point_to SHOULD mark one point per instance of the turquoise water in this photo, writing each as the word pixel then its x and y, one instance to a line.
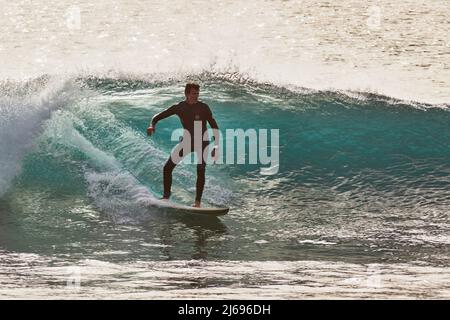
pixel 363 178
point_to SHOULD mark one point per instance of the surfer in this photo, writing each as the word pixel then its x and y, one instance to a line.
pixel 192 113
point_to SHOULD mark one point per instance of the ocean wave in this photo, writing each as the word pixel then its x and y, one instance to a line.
pixel 370 145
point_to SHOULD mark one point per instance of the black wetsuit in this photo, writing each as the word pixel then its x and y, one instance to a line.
pixel 188 114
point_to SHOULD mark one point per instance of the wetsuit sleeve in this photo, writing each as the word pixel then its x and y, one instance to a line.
pixel 211 120
pixel 164 114
pixel 213 124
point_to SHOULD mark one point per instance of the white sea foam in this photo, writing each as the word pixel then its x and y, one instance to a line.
pixel 184 279
pixel 23 110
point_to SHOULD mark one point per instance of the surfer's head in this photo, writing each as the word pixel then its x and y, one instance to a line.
pixel 191 91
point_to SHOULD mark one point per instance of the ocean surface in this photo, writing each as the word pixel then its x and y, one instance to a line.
pixel 359 208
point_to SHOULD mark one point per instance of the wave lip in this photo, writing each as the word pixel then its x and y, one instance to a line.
pixel 24 107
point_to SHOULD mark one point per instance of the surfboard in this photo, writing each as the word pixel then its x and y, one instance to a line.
pixel 181 208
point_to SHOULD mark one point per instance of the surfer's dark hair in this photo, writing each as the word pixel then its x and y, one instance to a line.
pixel 191 86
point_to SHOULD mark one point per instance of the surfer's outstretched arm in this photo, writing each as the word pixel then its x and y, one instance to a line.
pixel 212 122
pixel 164 114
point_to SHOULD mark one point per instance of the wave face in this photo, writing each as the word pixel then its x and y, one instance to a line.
pixel 362 175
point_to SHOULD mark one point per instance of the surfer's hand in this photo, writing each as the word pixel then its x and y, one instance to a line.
pixel 150 131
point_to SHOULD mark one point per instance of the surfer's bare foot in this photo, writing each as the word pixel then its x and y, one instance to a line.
pixel 196 204
pixel 165 199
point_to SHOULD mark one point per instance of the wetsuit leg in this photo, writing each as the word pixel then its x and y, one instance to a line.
pixel 201 169
pixel 167 177
pixel 168 168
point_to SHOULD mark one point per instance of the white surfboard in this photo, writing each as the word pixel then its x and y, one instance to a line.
pixel 180 208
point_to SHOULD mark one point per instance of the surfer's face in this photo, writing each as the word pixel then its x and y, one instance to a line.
pixel 192 96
